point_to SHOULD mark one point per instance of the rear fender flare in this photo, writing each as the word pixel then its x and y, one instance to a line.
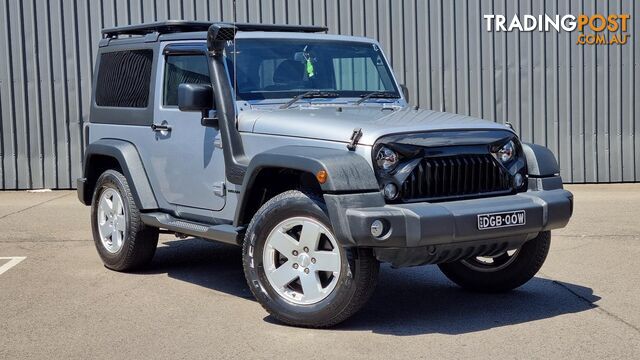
pixel 127 156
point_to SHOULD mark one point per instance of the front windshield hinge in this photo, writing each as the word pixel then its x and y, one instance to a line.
pixel 355 137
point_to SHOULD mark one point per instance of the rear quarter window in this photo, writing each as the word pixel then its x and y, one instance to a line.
pixel 124 78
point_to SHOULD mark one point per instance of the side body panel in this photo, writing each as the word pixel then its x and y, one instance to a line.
pixel 181 165
pixel 187 162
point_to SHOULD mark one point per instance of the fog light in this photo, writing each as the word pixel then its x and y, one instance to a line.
pixel 377 228
pixel 390 191
pixel 518 180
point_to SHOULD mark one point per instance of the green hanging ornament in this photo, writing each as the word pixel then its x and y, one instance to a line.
pixel 310 71
pixel 309 64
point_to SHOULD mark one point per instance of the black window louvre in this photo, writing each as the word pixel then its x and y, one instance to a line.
pixel 124 78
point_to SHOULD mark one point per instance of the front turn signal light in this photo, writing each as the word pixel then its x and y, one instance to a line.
pixel 321 176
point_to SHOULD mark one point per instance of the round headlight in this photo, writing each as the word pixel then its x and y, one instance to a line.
pixel 386 158
pixel 507 152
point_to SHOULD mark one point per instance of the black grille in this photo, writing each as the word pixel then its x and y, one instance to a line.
pixel 457 176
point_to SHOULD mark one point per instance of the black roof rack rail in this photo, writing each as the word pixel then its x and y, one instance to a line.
pixel 175 26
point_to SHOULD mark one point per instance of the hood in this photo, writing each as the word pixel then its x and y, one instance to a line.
pixel 337 124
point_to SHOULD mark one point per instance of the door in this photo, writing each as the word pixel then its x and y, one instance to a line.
pixel 187 159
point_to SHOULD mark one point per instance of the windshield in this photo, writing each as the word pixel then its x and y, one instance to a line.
pixel 284 68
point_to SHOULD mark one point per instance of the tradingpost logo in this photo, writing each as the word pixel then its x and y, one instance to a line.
pixel 591 28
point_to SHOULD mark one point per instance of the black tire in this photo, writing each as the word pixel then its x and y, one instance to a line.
pixel 529 259
pixel 355 284
pixel 139 241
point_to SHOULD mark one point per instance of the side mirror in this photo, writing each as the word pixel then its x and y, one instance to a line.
pixel 195 97
pixel 405 91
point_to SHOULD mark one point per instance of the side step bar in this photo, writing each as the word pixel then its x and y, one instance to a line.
pixel 225 233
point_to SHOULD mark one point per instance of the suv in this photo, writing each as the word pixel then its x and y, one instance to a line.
pixel 300 147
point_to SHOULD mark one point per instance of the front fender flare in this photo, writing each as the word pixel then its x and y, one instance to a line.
pixel 542 167
pixel 540 161
pixel 347 171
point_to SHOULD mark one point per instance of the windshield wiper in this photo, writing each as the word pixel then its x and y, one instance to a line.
pixel 310 95
pixel 378 95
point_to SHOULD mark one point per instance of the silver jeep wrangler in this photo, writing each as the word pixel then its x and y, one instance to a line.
pixel 300 147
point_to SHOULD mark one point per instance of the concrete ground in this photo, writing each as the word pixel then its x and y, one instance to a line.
pixel 192 302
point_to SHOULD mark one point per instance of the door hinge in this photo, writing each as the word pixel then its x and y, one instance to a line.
pixel 219 189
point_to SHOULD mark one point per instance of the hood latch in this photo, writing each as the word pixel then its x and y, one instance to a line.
pixel 355 137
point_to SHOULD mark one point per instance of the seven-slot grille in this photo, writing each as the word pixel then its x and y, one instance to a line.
pixel 456 176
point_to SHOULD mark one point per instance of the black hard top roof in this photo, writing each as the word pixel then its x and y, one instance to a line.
pixel 177 26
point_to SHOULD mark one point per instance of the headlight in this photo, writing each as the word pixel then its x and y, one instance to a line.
pixel 506 152
pixel 386 159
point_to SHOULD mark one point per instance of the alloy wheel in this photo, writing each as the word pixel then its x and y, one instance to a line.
pixel 112 224
pixel 491 263
pixel 302 260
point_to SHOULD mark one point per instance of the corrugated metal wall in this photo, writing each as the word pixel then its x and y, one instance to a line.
pixel 577 100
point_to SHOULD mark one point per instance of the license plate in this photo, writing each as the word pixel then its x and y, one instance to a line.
pixel 502 219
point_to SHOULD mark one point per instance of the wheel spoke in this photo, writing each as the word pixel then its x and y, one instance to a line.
pixel 114 237
pixel 104 206
pixel 116 204
pixel 119 223
pixel 283 243
pixel 283 275
pixel 310 285
pixel 327 261
pixel 310 235
pixel 105 229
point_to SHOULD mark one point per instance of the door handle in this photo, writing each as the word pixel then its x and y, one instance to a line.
pixel 164 127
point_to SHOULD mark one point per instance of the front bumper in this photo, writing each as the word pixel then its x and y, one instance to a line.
pixel 421 233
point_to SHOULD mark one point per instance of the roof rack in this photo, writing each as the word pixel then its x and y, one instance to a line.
pixel 175 26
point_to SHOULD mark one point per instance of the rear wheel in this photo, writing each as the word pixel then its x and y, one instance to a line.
pixel 296 268
pixel 122 240
pixel 502 272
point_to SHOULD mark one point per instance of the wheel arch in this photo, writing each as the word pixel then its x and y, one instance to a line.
pixel 346 172
pixel 123 156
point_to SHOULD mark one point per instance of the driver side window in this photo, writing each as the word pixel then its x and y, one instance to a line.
pixel 183 69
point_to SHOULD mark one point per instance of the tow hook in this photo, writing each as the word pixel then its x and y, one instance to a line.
pixel 355 137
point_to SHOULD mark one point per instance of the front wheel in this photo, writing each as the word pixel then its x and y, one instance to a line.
pixel 296 268
pixel 502 272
